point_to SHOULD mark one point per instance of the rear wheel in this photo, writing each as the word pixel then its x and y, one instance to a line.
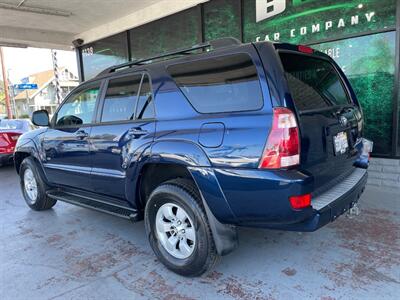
pixel 33 186
pixel 178 228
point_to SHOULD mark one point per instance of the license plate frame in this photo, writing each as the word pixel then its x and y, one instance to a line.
pixel 340 143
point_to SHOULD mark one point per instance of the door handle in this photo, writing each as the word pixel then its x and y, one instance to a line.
pixel 135 132
pixel 81 134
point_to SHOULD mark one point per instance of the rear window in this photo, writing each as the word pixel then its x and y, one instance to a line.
pixel 221 84
pixel 10 124
pixel 313 82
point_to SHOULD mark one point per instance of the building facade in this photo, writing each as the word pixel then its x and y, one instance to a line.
pixel 361 35
pixel 44 97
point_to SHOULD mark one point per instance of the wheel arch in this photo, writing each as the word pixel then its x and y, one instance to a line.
pixel 174 159
pixel 23 150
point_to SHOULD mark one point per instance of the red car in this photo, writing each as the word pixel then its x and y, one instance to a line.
pixel 10 131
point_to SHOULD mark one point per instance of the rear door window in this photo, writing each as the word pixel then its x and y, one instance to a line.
pixel 120 99
pixel 313 82
pixel 220 84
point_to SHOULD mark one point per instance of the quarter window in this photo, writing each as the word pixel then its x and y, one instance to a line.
pixel 79 108
pixel 220 84
pixel 120 99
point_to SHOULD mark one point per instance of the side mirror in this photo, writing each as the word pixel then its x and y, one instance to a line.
pixel 40 118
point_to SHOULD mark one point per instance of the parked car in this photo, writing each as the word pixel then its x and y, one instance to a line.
pixel 10 131
pixel 199 142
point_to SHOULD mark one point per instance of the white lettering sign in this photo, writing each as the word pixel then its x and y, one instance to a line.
pixel 268 8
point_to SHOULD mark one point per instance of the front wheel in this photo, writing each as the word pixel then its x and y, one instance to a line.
pixel 33 186
pixel 178 228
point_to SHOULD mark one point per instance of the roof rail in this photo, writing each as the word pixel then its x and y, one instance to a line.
pixel 215 44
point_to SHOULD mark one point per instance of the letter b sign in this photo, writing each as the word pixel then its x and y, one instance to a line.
pixel 268 8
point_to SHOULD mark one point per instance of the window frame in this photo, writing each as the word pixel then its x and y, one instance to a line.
pixel 76 90
pixel 152 98
pixel 221 56
pixel 104 92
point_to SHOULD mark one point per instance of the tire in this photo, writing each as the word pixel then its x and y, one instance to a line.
pixel 181 194
pixel 38 201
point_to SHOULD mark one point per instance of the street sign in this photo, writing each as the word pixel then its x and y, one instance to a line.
pixel 26 86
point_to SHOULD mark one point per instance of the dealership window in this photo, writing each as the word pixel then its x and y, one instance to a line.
pixel 222 19
pixel 104 53
pixel 369 64
pixel 177 31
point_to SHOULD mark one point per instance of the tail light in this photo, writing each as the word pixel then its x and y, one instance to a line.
pixel 283 145
pixel 12 136
pixel 9 138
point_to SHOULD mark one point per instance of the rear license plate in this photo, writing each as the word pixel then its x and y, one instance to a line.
pixel 340 143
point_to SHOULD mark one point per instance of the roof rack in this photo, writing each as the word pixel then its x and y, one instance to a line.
pixel 215 44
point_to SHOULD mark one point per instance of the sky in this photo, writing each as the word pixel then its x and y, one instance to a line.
pixel 22 62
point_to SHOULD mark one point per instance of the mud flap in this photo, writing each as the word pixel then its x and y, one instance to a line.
pixel 225 235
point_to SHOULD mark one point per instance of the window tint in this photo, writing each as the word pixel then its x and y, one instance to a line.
pixel 120 99
pixel 145 107
pixel 313 82
pixel 79 107
pixel 221 84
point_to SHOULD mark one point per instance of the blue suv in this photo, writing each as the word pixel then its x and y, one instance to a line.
pixel 200 141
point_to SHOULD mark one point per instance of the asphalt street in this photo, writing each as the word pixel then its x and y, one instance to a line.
pixel 70 252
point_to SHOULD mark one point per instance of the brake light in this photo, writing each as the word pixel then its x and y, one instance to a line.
pixel 283 145
pixel 305 49
pixel 299 202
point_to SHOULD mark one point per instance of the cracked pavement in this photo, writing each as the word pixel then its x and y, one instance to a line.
pixel 70 252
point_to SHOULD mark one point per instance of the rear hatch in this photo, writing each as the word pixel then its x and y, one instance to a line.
pixel 330 121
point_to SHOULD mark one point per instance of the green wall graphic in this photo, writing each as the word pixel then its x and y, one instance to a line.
pixel 222 19
pixel 368 62
pixel 311 21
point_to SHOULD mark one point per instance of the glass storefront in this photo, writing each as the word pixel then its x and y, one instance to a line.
pixel 177 31
pixel 226 10
pixel 359 34
pixel 104 53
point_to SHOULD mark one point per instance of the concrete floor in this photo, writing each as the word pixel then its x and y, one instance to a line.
pixel 75 253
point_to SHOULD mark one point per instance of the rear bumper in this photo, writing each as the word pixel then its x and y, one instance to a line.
pixel 333 203
pixel 259 198
pixel 6 158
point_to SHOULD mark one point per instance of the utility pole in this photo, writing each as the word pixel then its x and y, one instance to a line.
pixel 5 79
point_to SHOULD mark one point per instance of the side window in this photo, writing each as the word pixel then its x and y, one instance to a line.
pixel 220 84
pixel 120 99
pixel 145 107
pixel 79 107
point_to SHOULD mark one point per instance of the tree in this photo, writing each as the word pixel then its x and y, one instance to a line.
pixel 2 98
